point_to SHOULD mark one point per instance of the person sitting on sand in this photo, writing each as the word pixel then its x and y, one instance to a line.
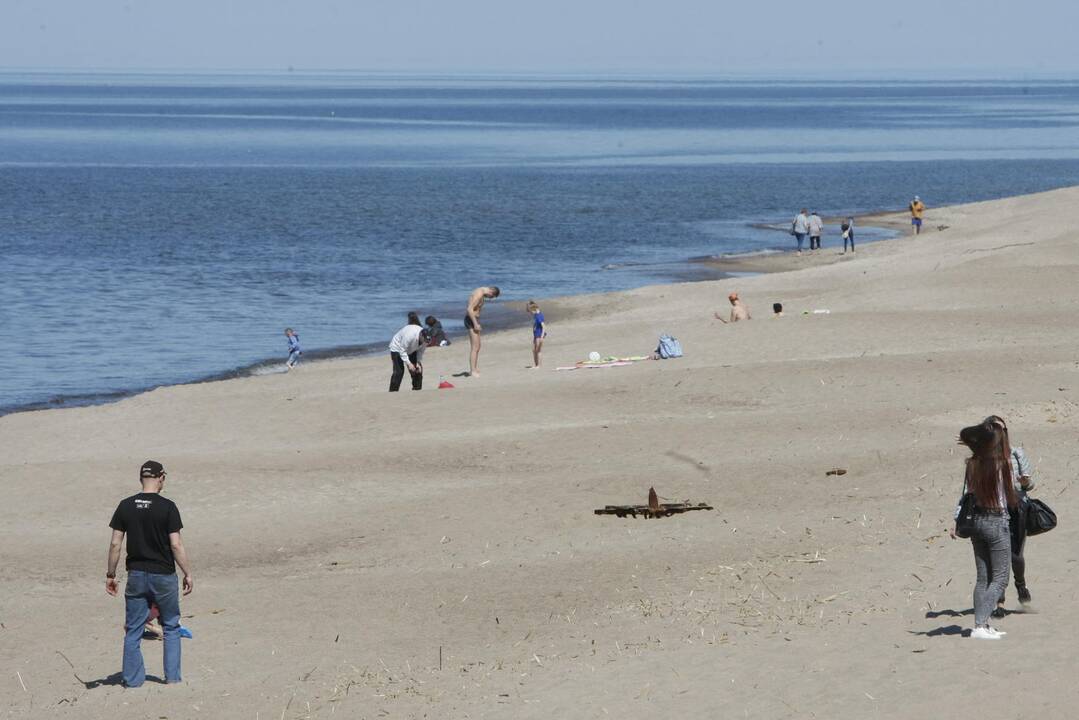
pixel 777 309
pixel 472 323
pixel 435 332
pixel 738 310
pixel 917 209
pixel 539 332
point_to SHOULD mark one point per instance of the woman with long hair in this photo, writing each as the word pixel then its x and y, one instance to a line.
pixel 989 479
pixel 1017 516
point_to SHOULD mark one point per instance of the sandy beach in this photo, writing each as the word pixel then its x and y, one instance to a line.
pixel 436 555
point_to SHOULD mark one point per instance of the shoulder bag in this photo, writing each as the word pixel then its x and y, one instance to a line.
pixel 964 518
pixel 1040 517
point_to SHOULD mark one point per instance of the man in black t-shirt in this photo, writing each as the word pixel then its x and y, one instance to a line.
pixel 152 525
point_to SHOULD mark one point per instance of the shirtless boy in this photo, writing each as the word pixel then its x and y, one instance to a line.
pixel 472 323
pixel 738 310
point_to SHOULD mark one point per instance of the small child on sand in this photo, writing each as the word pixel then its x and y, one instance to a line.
pixel 294 351
pixel 539 331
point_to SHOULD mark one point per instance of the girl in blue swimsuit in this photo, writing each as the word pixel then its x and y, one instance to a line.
pixel 539 331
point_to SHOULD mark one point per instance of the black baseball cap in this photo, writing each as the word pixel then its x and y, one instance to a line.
pixel 151 469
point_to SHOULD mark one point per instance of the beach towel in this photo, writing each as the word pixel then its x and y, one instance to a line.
pixel 592 366
pixel 612 358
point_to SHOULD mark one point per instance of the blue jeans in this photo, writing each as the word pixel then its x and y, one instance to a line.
pixel 142 589
pixel 992 559
pixel 293 358
pixel 801 238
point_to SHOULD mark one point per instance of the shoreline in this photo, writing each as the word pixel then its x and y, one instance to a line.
pixel 695 269
pixel 438 553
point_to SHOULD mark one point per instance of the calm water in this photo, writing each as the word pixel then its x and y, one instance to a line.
pixel 161 229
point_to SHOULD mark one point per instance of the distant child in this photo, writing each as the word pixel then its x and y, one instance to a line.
pixel 436 333
pixel 539 331
pixel 848 234
pixel 294 351
pixel 777 309
pixel 917 210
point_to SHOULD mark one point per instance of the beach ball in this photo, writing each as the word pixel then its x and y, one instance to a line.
pixel 593 356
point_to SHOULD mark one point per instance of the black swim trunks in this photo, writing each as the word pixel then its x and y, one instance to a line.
pixel 468 323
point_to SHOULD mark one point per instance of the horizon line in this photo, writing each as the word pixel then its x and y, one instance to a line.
pixel 936 75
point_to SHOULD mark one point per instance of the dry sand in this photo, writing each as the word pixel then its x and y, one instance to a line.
pixel 435 554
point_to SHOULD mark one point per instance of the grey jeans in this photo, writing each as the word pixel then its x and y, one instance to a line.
pixel 992 557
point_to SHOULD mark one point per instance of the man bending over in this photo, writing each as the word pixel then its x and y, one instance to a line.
pixel 472 323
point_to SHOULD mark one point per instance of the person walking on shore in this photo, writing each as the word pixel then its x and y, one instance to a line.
pixel 848 234
pixel 539 332
pixel 472 323
pixel 799 228
pixel 989 479
pixel 294 350
pixel 917 209
pixel 406 350
pixel 816 229
pixel 1022 482
pixel 152 526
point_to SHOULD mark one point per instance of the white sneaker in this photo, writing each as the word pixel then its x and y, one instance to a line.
pixel 1001 633
pixel 984 633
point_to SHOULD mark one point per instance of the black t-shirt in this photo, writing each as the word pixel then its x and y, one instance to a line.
pixel 148 518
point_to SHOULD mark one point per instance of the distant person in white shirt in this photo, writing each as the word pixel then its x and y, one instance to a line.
pixel 799 228
pixel 816 229
pixel 406 350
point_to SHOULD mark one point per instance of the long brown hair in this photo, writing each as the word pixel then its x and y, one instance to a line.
pixel 989 465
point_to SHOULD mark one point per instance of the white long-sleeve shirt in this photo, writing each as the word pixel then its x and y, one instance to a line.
pixel 406 341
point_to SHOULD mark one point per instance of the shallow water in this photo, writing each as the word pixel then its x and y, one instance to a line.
pixel 158 229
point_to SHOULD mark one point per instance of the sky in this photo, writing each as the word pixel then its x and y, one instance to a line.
pixel 851 38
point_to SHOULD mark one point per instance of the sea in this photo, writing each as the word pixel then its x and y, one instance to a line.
pixel 165 228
